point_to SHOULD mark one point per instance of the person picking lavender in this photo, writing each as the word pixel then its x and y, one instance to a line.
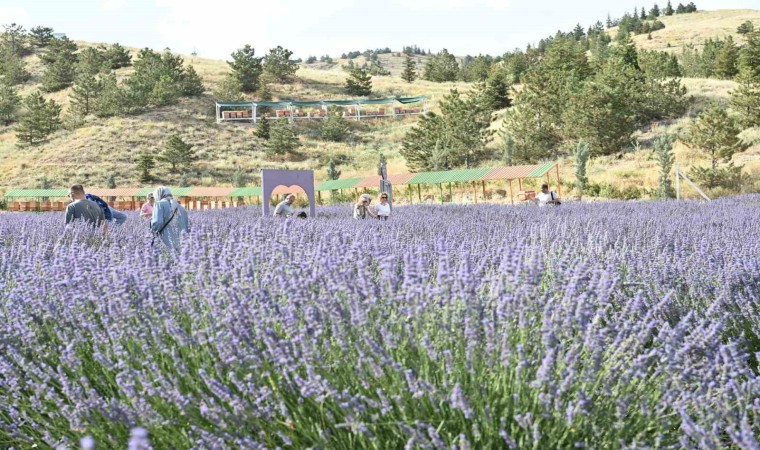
pixel 285 207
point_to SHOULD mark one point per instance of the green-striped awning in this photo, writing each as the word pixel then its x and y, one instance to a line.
pixel 344 183
pixel 541 170
pixel 34 193
pixel 313 103
pixel 450 176
pixel 251 191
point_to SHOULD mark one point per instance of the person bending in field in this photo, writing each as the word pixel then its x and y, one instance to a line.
pixel 169 219
pixel 361 208
pixel 285 207
pixel 547 197
pixel 83 209
pixel 111 214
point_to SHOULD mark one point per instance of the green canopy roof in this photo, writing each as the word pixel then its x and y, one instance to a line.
pixel 34 193
pixel 313 103
pixel 450 176
pixel 344 183
pixel 541 170
pixel 252 191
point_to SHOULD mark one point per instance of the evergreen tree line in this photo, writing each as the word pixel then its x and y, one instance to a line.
pixel 250 73
pixel 158 79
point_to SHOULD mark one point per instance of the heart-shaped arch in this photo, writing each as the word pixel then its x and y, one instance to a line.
pixel 275 182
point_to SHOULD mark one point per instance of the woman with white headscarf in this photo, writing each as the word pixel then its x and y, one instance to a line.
pixel 169 218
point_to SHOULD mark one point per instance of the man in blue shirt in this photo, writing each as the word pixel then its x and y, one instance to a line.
pixel 111 215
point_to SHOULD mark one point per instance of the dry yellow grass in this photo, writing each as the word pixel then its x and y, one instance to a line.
pixel 90 152
pixel 695 28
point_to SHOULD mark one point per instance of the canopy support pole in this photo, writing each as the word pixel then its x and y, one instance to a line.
pixel 511 195
pixel 451 195
pixel 483 183
pixel 419 192
pixel 519 184
pixel 255 106
pixel 290 107
pixel 475 193
pixel 559 185
pixel 678 184
pixel 319 197
pixel 440 189
pixel 358 112
pixel 409 190
pixel 218 118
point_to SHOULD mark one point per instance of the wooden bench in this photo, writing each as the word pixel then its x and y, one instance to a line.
pixel 525 196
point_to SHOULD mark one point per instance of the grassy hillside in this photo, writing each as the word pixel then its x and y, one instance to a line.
pixel 695 28
pixel 100 146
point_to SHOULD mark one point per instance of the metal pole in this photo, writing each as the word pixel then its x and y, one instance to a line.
pixel 419 192
pixel 691 183
pixel 483 183
pixel 218 119
pixel 440 188
pixel 511 195
pixel 451 194
pixel 255 107
pixel 358 112
pixel 475 193
pixel 678 183
pixel 559 186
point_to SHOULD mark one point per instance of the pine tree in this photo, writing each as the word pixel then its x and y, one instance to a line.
pixel 668 11
pixel 12 67
pixel 581 158
pixel 246 68
pixel 60 61
pixel 9 103
pixel 178 153
pixel 58 75
pixel 229 90
pixel 192 83
pixel 84 95
pixel 663 149
pixel 117 57
pixel 716 133
pixel 263 129
pixel 332 171
pixel 680 9
pixel 15 38
pixel 745 99
pixel 654 12
pixel 458 135
pixel 145 164
pixel 111 100
pixel 41 37
pixel 42 118
pixel 92 61
pixel 282 138
pixel 277 66
pixel 745 28
pixel 359 82
pixel 410 69
pixel 727 59
pixel 749 56
pixel 441 67
pixel 334 127
pixel 239 178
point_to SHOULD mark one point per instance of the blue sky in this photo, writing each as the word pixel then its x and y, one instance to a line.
pixel 216 28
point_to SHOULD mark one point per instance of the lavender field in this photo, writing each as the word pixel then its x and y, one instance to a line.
pixel 616 325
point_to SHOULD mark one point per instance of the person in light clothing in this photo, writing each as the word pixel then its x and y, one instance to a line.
pixel 383 209
pixel 362 209
pixel 169 219
pixel 285 207
pixel 146 211
pixel 547 197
